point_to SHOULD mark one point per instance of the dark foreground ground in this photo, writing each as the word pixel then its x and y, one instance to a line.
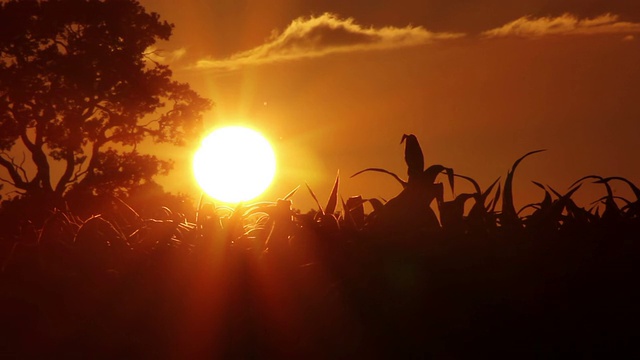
pixel 330 295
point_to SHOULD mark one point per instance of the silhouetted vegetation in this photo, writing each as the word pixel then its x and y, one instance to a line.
pixel 264 280
pixel 79 89
pixel 104 263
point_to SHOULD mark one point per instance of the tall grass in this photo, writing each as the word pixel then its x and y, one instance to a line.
pixel 337 281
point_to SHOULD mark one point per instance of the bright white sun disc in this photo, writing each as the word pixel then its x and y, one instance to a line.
pixel 234 164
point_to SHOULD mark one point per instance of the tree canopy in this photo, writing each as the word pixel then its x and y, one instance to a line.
pixel 79 90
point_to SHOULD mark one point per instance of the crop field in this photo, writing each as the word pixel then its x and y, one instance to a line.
pixel 428 273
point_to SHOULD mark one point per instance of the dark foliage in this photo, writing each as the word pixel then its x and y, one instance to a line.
pixel 79 89
pixel 265 281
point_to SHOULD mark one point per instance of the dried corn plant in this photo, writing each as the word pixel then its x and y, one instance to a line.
pixel 412 260
pixel 115 238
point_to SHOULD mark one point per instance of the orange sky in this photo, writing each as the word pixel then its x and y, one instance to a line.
pixel 479 82
pixel 564 79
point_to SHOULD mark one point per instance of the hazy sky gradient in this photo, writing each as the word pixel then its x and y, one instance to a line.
pixel 335 84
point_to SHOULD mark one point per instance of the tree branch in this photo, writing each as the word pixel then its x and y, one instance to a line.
pixel 68 173
pixel 18 167
pixel 77 175
pixel 144 126
pixel 13 173
pixel 42 178
pixel 93 162
pixel 7 181
pixel 25 140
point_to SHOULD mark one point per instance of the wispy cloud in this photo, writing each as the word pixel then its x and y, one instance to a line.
pixel 309 37
pixel 566 24
pixel 163 56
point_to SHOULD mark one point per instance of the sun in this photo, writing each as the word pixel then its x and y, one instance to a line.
pixel 234 164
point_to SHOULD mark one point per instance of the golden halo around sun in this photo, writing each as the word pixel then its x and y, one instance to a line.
pixel 234 164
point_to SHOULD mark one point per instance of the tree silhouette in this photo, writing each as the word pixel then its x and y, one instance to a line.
pixel 79 88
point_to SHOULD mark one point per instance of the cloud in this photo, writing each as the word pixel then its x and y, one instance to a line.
pixel 322 35
pixel 566 24
pixel 164 57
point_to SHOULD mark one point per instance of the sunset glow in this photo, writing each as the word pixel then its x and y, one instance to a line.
pixel 338 84
pixel 319 179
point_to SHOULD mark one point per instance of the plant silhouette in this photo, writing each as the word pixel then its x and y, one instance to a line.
pixel 411 208
pixel 264 280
